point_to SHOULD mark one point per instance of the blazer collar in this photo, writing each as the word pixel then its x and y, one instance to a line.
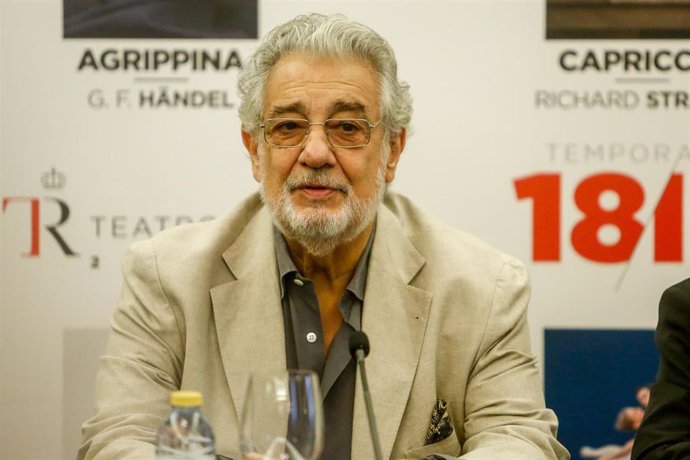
pixel 247 310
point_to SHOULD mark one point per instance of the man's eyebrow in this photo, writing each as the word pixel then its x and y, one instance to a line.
pixel 290 108
pixel 298 107
pixel 343 106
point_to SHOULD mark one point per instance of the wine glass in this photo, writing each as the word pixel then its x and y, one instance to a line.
pixel 282 418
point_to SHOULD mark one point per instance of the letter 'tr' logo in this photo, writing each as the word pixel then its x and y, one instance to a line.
pixel 35 219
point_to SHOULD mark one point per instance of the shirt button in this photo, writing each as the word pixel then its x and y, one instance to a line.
pixel 298 282
pixel 311 337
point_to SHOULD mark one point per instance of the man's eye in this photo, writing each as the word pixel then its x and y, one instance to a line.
pixel 348 126
pixel 286 126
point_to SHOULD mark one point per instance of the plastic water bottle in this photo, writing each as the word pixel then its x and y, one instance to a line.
pixel 185 434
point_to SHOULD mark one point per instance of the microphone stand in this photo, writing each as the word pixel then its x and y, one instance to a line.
pixel 359 344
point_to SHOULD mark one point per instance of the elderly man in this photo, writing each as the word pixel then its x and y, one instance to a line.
pixel 320 252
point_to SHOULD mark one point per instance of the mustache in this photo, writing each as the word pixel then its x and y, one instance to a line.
pixel 316 178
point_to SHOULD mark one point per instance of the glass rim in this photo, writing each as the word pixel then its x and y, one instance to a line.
pixel 368 124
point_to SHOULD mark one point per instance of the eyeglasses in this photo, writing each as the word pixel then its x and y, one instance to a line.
pixel 348 133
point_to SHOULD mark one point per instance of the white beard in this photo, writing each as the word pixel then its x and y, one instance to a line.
pixel 318 229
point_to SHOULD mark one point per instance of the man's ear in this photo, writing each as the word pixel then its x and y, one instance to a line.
pixel 249 141
pixel 397 145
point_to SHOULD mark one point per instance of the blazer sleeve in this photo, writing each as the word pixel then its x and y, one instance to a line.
pixel 665 430
pixel 505 413
pixel 142 365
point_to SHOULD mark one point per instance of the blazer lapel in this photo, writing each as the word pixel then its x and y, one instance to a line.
pixel 395 317
pixel 247 311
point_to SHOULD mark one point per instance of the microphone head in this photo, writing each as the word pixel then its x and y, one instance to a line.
pixel 359 341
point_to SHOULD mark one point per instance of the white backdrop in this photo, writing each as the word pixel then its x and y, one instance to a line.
pixel 122 172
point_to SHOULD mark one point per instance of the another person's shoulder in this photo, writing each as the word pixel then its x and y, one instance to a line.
pixel 674 308
pixel 675 303
pixel 682 288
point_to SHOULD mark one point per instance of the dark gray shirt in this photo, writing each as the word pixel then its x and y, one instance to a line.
pixel 304 345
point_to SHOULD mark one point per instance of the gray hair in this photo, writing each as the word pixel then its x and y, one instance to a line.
pixel 329 36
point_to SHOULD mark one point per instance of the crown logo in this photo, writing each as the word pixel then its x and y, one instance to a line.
pixel 53 180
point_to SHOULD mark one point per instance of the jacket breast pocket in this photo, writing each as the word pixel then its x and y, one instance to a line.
pixel 447 446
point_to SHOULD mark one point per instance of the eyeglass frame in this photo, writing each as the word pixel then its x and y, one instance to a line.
pixel 323 123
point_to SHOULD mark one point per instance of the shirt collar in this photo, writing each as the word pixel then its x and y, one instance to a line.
pixel 285 264
pixel 287 268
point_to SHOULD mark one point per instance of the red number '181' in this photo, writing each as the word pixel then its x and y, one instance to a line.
pixel 545 192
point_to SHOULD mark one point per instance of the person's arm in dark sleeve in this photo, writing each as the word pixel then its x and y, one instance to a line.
pixel 665 430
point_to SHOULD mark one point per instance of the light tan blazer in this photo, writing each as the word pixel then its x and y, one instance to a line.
pixel 445 315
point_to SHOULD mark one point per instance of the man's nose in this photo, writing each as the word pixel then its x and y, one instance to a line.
pixel 317 151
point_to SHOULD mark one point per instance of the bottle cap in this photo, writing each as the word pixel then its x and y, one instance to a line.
pixel 186 398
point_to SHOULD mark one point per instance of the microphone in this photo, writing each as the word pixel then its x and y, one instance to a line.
pixel 359 349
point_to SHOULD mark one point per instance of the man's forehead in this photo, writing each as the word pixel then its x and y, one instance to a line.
pixel 302 83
